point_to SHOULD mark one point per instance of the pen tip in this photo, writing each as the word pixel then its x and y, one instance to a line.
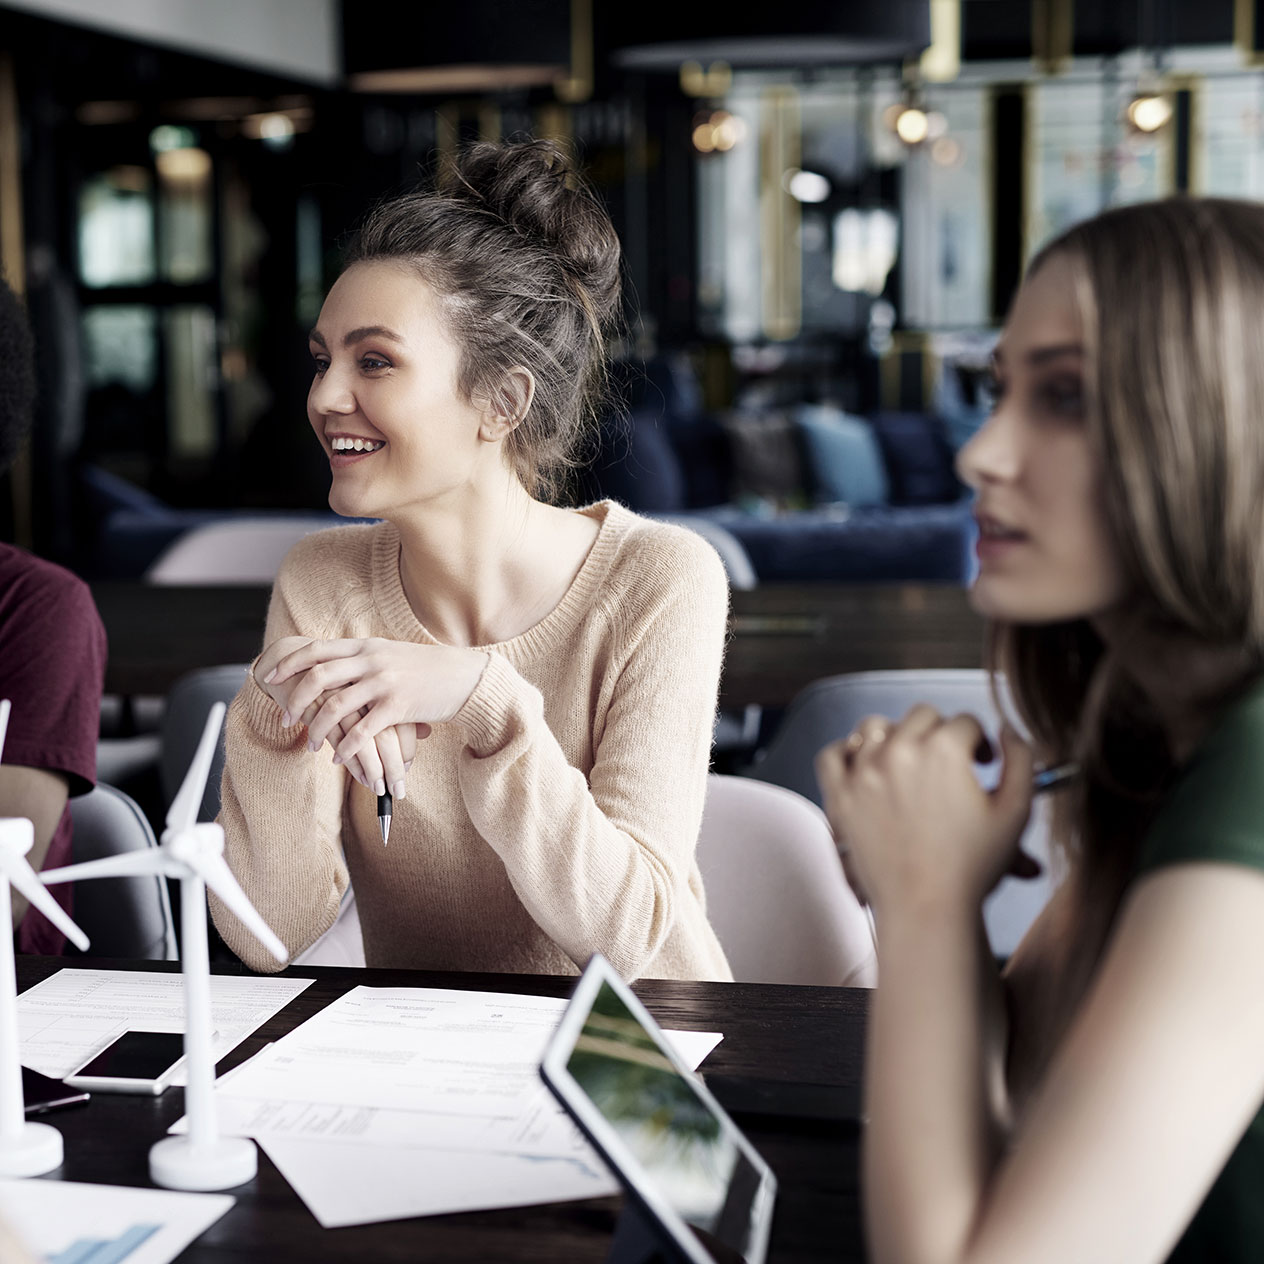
pixel 385 823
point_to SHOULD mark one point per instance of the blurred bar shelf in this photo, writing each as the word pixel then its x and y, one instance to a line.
pixel 783 636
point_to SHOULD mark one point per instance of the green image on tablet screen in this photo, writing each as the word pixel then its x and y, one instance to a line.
pixel 683 1146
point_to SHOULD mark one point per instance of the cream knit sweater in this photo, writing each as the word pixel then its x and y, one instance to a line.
pixel 555 816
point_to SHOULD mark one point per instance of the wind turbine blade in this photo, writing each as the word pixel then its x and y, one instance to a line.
pixel 131 862
pixel 184 807
pixel 23 878
pixel 215 872
pixel 4 723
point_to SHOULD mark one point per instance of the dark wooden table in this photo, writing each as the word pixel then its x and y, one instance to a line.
pixel 784 1037
pixel 784 636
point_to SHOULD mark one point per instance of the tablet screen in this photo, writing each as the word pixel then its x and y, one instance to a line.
pixel 688 1151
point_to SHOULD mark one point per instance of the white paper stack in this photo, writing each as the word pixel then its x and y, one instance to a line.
pixel 396 1102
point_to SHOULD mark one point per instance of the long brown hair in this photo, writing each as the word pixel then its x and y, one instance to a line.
pixel 1171 298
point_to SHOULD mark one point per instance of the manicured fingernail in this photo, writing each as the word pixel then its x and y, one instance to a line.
pixel 286 719
pixel 267 680
pixel 397 790
pixel 379 787
pixel 311 746
pixel 337 759
pixel 408 765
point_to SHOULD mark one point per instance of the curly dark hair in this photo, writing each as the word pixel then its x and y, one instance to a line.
pixel 17 375
pixel 526 265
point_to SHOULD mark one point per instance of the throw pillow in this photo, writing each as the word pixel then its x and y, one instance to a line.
pixel 843 456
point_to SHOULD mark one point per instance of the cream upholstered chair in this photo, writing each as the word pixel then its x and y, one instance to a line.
pixel 776 894
pixel 830 708
pixel 240 550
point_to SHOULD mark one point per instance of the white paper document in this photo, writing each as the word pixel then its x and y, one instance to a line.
pixel 361 1184
pixel 473 1054
pixel 74 1014
pixel 395 1102
pixel 105 1224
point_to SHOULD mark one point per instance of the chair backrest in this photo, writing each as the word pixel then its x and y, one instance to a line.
pixel 830 708
pixel 123 917
pixel 189 702
pixel 734 730
pixel 776 894
pixel 737 563
pixel 246 550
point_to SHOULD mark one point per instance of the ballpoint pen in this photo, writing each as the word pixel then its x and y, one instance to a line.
pixel 1053 777
pixel 384 804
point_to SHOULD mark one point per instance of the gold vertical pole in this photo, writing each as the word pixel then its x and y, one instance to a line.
pixel 1244 32
pixel 1030 225
pixel 578 85
pixel 941 62
pixel 11 252
pixel 489 121
pixel 1052 34
pixel 447 131
pixel 13 262
pixel 779 152
pixel 553 122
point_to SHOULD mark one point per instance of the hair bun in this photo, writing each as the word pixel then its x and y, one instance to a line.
pixel 536 188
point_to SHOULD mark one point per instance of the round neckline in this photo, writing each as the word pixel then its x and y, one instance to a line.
pixel 392 601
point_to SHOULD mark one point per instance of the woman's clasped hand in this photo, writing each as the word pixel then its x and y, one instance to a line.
pixel 372 699
pixel 910 815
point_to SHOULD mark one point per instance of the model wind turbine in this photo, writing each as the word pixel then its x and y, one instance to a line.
pixel 26 1149
pixel 195 854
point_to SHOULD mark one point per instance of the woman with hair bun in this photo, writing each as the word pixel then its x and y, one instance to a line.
pixel 1101 1099
pixel 561 665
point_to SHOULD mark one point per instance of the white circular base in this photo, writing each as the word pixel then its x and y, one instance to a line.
pixel 35 1150
pixel 175 1164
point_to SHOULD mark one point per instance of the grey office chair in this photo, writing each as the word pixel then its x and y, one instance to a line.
pixel 189 702
pixel 830 708
pixel 124 917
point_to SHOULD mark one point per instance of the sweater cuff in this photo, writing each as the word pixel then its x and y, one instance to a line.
pixel 493 713
pixel 264 717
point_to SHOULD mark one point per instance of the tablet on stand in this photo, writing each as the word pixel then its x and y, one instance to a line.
pixel 697 1191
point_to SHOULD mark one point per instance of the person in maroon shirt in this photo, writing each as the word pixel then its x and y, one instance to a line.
pixel 52 664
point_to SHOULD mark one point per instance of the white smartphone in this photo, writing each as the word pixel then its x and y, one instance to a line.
pixel 136 1062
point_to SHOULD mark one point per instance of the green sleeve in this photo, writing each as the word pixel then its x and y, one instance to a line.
pixel 1216 809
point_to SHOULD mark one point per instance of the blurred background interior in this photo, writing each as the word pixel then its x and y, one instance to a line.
pixel 825 208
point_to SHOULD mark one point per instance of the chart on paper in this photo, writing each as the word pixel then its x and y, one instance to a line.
pixel 115 1250
pixel 66 1222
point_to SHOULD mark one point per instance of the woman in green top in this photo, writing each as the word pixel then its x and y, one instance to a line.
pixel 1100 1100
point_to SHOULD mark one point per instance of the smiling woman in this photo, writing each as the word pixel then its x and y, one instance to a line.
pixel 535 685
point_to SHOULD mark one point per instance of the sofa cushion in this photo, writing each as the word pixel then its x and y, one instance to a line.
pixel 919 458
pixel 843 456
pixel 767 458
pixel 636 465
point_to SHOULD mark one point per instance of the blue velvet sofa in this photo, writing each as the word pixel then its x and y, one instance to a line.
pixel 812 493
